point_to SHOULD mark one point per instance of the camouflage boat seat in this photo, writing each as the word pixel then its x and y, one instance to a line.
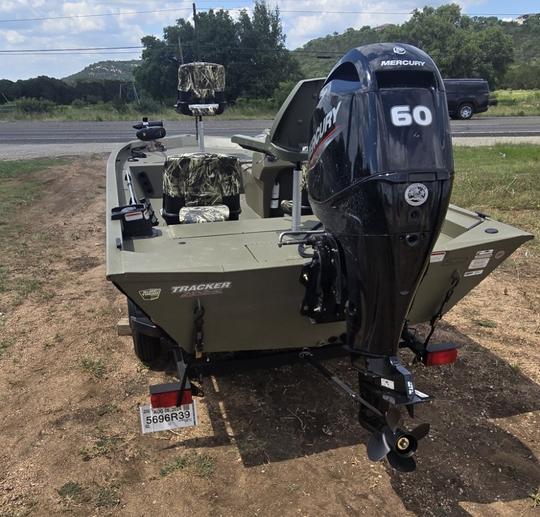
pixel 201 89
pixel 200 180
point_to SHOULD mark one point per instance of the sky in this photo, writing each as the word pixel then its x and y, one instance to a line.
pixel 23 27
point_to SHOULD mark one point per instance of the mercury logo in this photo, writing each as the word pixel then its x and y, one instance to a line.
pixel 402 62
pixel 399 50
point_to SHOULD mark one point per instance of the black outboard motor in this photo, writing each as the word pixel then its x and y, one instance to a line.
pixel 380 178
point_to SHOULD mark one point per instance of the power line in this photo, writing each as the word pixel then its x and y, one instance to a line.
pixel 286 11
pixel 10 51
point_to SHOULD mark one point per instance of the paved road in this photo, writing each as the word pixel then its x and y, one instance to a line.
pixel 24 132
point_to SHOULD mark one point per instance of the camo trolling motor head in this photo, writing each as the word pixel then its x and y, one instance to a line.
pixel 379 179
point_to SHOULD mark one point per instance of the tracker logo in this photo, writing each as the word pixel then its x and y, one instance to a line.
pixel 324 128
pixel 149 295
pixel 193 290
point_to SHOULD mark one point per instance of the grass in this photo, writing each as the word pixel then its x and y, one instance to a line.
pixel 6 344
pixel 73 492
pixel 490 324
pixel 104 445
pixel 95 367
pixel 107 497
pixel 202 465
pixel 535 496
pixel 255 109
pixel 102 496
pixel 510 103
pixel 515 103
pixel 14 192
pixel 502 181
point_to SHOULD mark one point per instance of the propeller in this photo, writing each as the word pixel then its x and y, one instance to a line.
pixel 397 445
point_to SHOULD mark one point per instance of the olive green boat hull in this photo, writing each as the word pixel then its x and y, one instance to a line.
pixel 249 287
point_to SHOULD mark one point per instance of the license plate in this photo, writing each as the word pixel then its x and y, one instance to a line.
pixel 166 418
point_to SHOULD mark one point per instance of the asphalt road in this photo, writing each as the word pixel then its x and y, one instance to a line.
pixel 25 132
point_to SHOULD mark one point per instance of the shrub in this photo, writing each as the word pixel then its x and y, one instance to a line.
pixel 148 106
pixel 78 103
pixel 32 106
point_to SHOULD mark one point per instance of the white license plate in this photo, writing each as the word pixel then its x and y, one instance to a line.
pixel 165 418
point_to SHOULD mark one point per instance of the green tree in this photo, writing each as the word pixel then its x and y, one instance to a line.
pixel 266 61
pixel 461 46
pixel 251 49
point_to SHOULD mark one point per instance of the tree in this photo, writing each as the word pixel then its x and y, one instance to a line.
pixel 252 51
pixel 266 61
pixel 460 46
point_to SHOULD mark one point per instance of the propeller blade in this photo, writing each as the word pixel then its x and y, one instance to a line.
pixel 401 463
pixel 420 431
pixel 393 418
pixel 377 447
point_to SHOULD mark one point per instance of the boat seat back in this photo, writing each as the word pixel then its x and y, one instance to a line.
pixel 201 89
pixel 201 180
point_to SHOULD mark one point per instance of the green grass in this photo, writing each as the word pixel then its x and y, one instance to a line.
pixel 502 181
pixel 103 446
pixel 252 109
pixel 13 191
pixel 6 344
pixel 202 465
pixel 515 103
pixel 95 367
pixel 73 492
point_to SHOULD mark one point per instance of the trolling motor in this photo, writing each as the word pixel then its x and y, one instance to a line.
pixel 379 179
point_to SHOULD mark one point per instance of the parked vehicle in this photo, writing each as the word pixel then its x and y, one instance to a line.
pixel 466 97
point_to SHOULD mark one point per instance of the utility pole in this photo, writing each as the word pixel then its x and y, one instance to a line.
pixel 197 53
pixel 180 50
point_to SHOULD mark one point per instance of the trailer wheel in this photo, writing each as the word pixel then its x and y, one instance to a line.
pixel 147 348
pixel 466 111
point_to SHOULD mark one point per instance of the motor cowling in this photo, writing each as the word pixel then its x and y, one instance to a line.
pixel 379 179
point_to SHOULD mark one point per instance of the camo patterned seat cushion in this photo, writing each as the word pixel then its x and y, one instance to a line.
pixel 202 179
pixel 201 79
pixel 204 214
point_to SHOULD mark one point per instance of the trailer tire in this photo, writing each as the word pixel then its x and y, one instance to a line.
pixel 147 348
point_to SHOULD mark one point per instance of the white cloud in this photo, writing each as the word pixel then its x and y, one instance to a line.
pixel 12 37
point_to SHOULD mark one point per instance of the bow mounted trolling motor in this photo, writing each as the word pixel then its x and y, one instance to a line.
pixel 379 179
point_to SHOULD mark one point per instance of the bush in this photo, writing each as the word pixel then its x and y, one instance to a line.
pixel 148 106
pixel 120 106
pixel 282 92
pixel 78 103
pixel 32 106
pixel 93 99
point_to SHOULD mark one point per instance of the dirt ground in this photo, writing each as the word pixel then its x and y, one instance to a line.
pixel 276 442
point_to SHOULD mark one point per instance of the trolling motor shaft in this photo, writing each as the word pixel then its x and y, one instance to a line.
pixel 380 175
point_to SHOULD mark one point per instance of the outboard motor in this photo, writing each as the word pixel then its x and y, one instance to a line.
pixel 379 179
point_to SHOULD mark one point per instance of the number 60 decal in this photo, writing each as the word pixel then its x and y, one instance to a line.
pixel 402 116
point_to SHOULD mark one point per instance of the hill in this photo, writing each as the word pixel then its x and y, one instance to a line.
pixel 105 70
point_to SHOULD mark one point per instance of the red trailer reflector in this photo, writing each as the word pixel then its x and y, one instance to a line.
pixel 169 395
pixel 438 357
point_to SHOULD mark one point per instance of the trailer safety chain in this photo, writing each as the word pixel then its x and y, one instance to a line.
pixel 456 277
pixel 199 332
